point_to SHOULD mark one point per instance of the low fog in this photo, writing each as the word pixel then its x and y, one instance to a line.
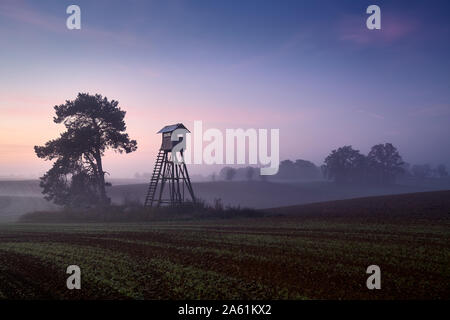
pixel 297 182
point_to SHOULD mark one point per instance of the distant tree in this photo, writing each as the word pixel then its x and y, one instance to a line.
pixel 249 173
pixel 442 171
pixel 385 163
pixel 324 171
pixel 286 170
pixel 228 173
pixel 306 169
pixel 345 165
pixel 421 171
pixel 300 169
pixel 93 125
pixel 406 169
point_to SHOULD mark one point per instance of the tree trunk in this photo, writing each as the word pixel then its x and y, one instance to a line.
pixel 104 200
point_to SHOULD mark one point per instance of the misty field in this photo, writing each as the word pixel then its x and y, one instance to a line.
pixel 278 257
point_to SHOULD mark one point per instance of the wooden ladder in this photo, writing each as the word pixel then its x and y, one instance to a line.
pixel 155 178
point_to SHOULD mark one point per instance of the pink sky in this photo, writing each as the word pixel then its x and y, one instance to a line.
pixel 313 72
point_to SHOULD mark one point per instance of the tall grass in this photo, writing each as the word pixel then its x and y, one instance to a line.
pixel 135 212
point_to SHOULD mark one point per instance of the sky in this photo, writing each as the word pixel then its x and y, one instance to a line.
pixel 311 69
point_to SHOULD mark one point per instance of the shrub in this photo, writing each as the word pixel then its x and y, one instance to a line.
pixel 136 212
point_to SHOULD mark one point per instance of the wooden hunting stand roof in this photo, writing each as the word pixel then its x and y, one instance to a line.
pixel 173 127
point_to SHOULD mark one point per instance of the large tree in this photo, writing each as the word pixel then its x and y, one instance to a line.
pixel 385 163
pixel 345 165
pixel 93 125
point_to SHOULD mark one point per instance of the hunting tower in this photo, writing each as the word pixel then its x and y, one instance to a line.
pixel 168 172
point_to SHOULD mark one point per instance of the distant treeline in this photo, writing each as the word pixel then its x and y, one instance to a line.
pixel 288 170
pixel 382 165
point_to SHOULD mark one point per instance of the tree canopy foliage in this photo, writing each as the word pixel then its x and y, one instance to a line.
pixel 93 125
pixel 297 170
pixel 385 163
pixel 347 165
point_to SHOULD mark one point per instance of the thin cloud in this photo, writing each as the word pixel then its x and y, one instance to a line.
pixel 371 114
pixel 432 111
pixel 22 13
pixel 300 39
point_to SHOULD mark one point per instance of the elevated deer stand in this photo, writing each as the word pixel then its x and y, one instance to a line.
pixel 167 172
